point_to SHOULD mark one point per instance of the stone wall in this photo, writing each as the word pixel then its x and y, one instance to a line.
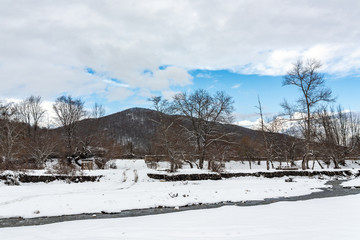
pixel 275 174
pixel 15 179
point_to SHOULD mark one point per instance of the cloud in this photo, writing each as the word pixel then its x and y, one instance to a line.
pixel 119 94
pixel 332 57
pixel 236 86
pixel 47 46
pixel 170 76
pixel 116 83
pixel 168 94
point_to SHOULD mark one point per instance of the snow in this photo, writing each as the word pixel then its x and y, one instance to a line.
pixel 128 187
pixel 352 183
pixel 244 166
pixel 330 218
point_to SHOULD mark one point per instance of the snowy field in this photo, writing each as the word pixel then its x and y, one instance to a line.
pixel 128 187
pixel 330 218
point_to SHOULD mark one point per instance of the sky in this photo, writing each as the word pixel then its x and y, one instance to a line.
pixel 120 53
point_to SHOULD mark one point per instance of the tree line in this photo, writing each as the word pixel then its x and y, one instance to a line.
pixel 25 143
pixel 192 128
pixel 320 131
pixel 311 128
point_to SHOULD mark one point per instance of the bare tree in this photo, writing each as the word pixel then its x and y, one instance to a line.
pixel 31 112
pixel 94 140
pixel 291 144
pixel 204 112
pixel 98 111
pixel 170 133
pixel 93 126
pixel 279 143
pixel 249 150
pixel 10 133
pixel 24 115
pixel 338 133
pixel 264 130
pixel 68 112
pixel 43 148
pixel 38 145
pixel 311 84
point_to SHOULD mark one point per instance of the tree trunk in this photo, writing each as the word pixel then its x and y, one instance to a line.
pixel 202 157
pixel 201 162
pixel 304 162
pixel 209 164
pixel 319 164
pixel 172 165
pixel 336 163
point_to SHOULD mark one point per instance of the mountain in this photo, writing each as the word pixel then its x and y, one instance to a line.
pixel 136 126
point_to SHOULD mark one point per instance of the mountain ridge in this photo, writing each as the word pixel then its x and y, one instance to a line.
pixel 138 126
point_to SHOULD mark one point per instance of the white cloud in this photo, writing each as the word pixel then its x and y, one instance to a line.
pixel 45 46
pixel 170 76
pixel 236 86
pixel 111 82
pixel 119 94
pixel 168 94
pixel 280 61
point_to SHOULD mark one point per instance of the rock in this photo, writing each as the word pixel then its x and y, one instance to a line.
pixel 289 180
pixel 12 180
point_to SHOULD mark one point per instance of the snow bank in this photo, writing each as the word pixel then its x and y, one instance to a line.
pixel 352 183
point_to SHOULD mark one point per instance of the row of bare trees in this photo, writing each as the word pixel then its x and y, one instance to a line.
pixel 338 133
pixel 10 134
pixel 25 141
pixel 317 130
pixel 308 129
pixel 20 135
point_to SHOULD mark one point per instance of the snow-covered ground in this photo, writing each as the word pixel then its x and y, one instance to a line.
pixel 128 187
pixel 331 218
pixel 352 183
pixel 255 166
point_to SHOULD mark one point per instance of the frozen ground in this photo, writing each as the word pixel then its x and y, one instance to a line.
pixel 330 218
pixel 128 187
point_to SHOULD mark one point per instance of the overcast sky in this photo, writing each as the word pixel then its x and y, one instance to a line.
pixel 119 53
